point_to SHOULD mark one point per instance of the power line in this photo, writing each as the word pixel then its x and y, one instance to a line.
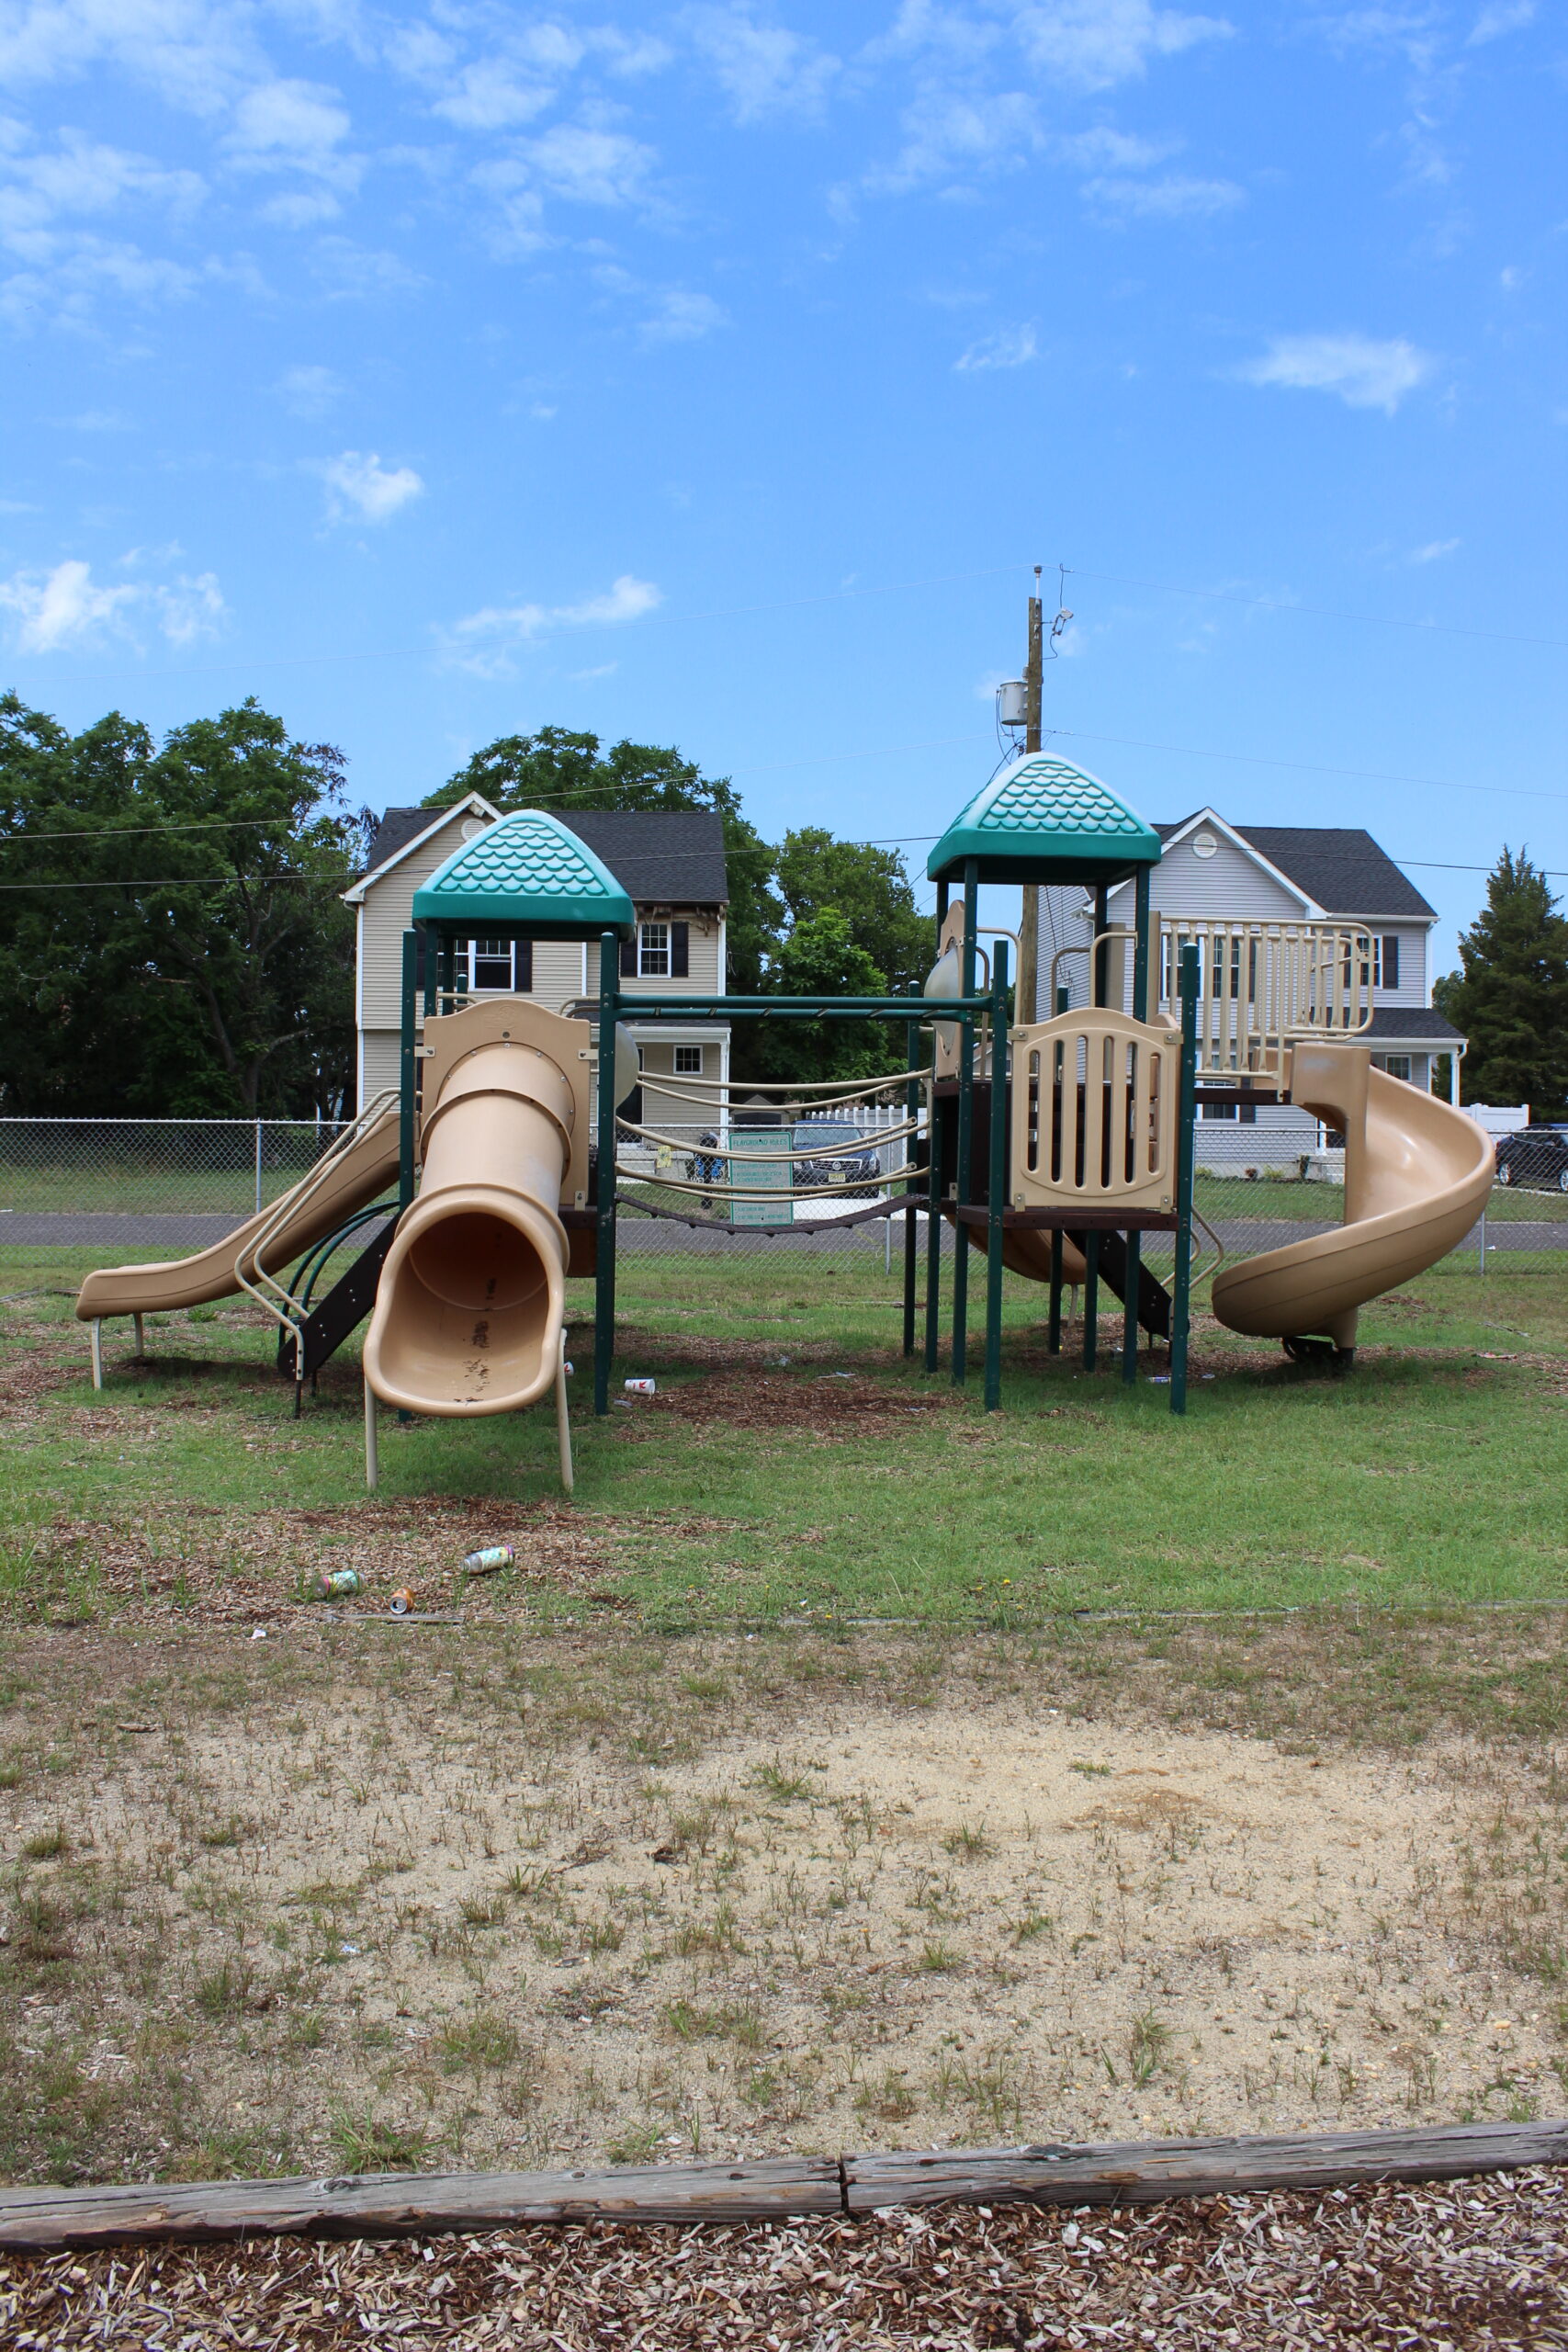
pixel 1319 612
pixel 1308 767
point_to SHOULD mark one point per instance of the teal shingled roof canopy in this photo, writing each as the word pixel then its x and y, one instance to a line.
pixel 527 873
pixel 1043 821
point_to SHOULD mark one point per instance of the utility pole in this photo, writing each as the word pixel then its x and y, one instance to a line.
pixel 1024 1006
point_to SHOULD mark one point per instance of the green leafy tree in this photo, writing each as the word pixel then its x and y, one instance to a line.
pixel 821 958
pixel 561 771
pixel 1510 995
pixel 172 939
pixel 871 888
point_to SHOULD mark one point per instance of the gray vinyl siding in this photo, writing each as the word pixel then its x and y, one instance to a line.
pixel 1227 887
pixel 1414 987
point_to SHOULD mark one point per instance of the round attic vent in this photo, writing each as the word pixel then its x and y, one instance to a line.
pixel 471 826
pixel 1204 844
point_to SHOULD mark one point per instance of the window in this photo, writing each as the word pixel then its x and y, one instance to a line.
pixel 502 967
pixel 1396 1065
pixel 660 952
pixel 1245 1113
pixel 688 1061
pixel 1387 973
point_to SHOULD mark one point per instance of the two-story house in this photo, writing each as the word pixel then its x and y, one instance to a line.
pixel 1217 872
pixel 671 865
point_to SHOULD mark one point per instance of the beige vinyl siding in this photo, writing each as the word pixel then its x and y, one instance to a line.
pixel 388 913
pixel 378 1062
pixel 705 978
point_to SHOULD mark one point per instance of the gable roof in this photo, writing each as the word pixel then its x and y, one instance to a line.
pixel 661 855
pixel 1339 867
pixel 401 830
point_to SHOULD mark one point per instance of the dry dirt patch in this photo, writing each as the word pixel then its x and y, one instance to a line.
pixel 519 1915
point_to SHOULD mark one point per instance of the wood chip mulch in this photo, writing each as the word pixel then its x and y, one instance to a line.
pixel 231 1567
pixel 832 1409
pixel 1470 2264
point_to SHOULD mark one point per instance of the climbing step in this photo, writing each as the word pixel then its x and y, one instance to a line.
pixel 346 1306
pixel 1153 1299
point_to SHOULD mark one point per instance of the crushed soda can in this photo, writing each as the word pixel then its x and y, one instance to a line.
pixel 337 1584
pixel 642 1388
pixel 401 1602
pixel 485 1563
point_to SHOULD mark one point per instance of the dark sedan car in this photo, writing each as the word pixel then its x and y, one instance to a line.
pixel 1534 1157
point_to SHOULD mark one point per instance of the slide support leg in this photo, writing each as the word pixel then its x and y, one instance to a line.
pixel 563 1421
pixel 97 1351
pixel 372 1458
pixel 141 1338
pixel 1054 1328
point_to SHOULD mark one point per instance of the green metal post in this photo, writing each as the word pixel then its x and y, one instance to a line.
pixel 408 1068
pixel 997 1181
pixel 1141 945
pixel 1134 1265
pixel 1054 1328
pixel 1100 961
pixel 1186 1109
pixel 1090 1299
pixel 966 1127
pixel 604 1281
pixel 933 1230
pixel 911 1112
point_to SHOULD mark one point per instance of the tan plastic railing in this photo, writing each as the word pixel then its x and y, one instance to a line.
pixel 1094 1112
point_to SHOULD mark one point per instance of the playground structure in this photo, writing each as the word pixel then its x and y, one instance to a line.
pixel 1051 1146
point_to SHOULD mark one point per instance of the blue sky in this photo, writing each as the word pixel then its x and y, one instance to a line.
pixel 714 373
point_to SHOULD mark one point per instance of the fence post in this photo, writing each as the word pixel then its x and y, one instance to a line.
pixel 258 1167
pixel 1482 1242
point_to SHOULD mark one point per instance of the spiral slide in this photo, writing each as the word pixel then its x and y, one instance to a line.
pixel 1416 1177
pixel 361 1170
pixel 472 1304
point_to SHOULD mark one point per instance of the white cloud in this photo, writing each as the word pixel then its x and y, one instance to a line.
pixel 1009 347
pixel 950 136
pixel 45 190
pixel 1093 43
pixel 291 126
pixel 362 487
pixel 680 317
pixel 194 54
pixel 588 166
pixel 483 643
pixel 762 68
pixel 57 610
pixel 1104 150
pixel 1359 371
pixel 309 391
pixel 1174 198
pixel 1502 17
pixel 492 94
pixel 1434 551
pixel 346 268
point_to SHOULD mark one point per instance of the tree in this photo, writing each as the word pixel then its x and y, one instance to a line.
pixel 1510 997
pixel 176 945
pixel 821 958
pixel 870 887
pixel 558 770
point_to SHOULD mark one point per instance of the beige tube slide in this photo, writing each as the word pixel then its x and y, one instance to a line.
pixel 1416 1177
pixel 472 1297
pixel 368 1164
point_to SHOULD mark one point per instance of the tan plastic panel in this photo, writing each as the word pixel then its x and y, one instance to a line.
pixel 366 1167
pixel 1094 1112
pixel 446 1038
pixel 1417 1174
pixel 468 1313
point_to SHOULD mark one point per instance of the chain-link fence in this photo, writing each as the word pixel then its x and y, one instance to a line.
pixel 147 1186
pixel 153 1188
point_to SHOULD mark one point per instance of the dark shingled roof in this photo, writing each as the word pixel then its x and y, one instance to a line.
pixel 1338 866
pixel 659 857
pixel 1409 1022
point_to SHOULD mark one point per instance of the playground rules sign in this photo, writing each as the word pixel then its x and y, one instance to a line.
pixel 769 1176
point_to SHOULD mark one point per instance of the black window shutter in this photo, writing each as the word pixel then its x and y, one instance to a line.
pixel 1391 959
pixel 628 959
pixel 523 967
pixel 680 951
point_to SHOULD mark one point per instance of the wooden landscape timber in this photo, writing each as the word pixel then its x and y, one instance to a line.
pixel 1137 2172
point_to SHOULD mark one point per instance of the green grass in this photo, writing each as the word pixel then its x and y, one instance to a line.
pixel 1430 1476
